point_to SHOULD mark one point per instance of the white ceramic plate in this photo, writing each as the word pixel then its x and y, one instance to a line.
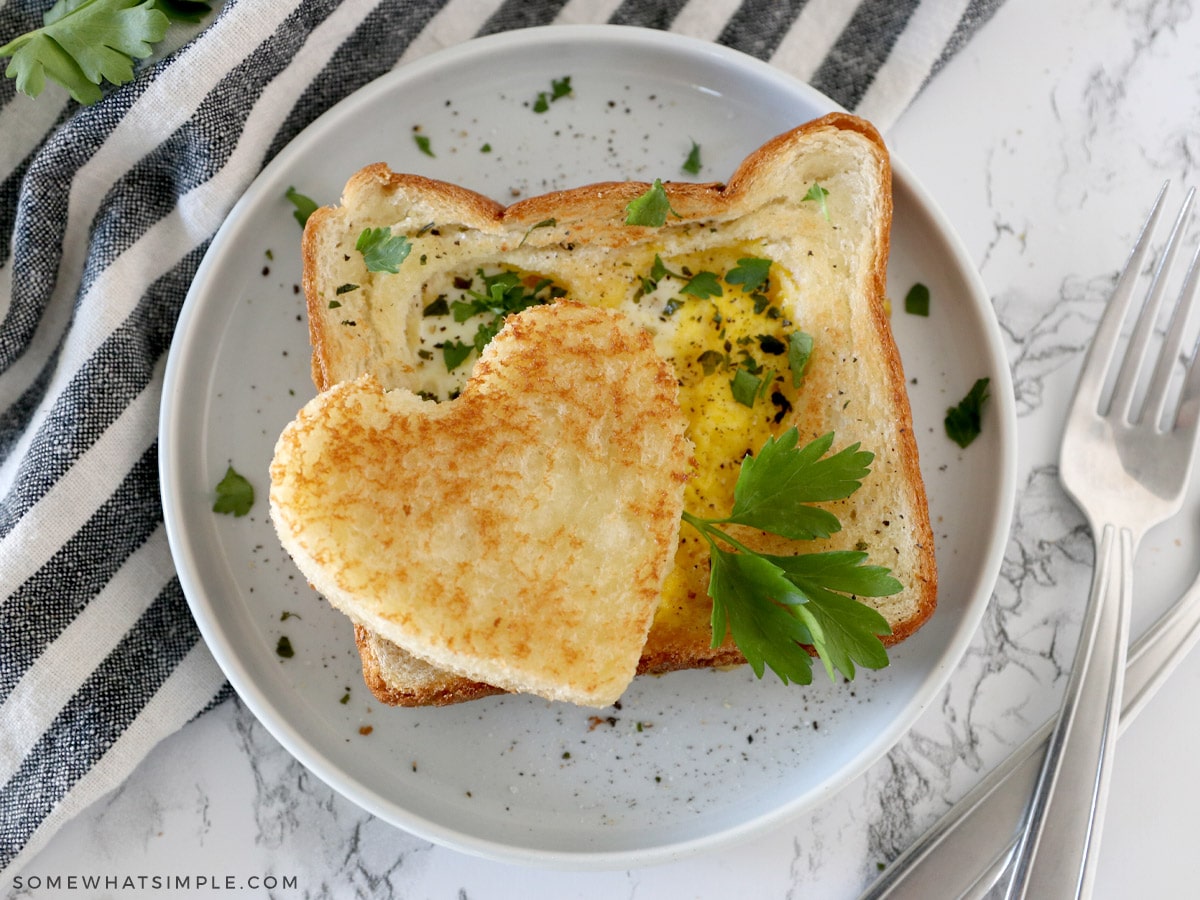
pixel 690 760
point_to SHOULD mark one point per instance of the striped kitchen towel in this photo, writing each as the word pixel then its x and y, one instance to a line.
pixel 105 213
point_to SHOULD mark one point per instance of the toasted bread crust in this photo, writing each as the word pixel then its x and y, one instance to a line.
pixel 854 345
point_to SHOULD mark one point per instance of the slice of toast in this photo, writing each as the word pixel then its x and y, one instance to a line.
pixel 815 202
pixel 517 535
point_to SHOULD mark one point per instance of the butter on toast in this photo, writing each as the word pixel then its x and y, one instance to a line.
pixel 815 202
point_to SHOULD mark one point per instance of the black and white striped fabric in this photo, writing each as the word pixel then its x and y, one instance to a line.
pixel 105 214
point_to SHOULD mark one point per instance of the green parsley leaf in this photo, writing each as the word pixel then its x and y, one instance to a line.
pixel 745 386
pixel 964 422
pixel 800 346
pixel 235 495
pixel 651 208
pixel 283 647
pixel 503 293
pixel 776 606
pixel 345 288
pixel 559 88
pixel 83 43
pixel 486 148
pixel 776 485
pixel 335 304
pixel 455 354
pixel 818 194
pixel 190 11
pixel 703 285
pixel 692 164
pixel 545 223
pixel 423 144
pixel 382 251
pixel 916 301
pixel 749 594
pixel 711 360
pixel 839 570
pixel 485 332
pixel 843 631
pixel 750 272
pixel 671 307
pixel 305 206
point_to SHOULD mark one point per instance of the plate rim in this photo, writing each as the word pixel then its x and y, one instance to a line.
pixel 625 39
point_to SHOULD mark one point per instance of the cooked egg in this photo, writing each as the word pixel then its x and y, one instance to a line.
pixel 724 334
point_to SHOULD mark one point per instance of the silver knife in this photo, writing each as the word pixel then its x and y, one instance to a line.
pixel 968 849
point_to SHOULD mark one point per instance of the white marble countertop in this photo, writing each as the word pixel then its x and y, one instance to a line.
pixel 1044 141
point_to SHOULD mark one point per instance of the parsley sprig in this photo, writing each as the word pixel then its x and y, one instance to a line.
pixel 503 293
pixel 83 43
pixel 776 606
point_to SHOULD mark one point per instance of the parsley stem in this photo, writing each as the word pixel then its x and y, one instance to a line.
pixel 706 529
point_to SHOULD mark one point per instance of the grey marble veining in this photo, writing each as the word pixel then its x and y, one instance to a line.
pixel 1045 141
pixel 350 853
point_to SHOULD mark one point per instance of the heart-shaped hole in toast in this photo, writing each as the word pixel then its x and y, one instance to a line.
pixel 519 534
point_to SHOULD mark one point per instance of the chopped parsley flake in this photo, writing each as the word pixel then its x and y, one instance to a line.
pixel 751 273
pixel 650 208
pixel 964 422
pixel 235 495
pixel 305 206
pixel 916 301
pixel 703 285
pixel 381 250
pixel 817 194
pixel 545 223
pixel 800 346
pixel 559 88
pixel 745 386
pixel 502 293
pixel 455 354
pixel 438 307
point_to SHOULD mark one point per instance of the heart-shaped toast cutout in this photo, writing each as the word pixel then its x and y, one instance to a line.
pixel 519 534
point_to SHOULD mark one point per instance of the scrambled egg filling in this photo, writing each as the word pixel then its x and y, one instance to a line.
pixel 711 317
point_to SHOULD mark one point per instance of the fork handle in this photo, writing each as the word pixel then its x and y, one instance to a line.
pixel 1059 850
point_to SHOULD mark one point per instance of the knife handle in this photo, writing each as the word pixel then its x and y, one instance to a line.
pixel 975 838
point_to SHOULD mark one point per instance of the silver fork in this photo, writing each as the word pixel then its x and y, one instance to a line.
pixel 1125 460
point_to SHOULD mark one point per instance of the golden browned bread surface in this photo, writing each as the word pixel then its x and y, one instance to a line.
pixel 517 535
pixel 828 253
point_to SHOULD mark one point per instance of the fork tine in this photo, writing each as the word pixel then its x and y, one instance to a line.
pixel 1135 354
pixel 1156 396
pixel 1100 353
pixel 1187 412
